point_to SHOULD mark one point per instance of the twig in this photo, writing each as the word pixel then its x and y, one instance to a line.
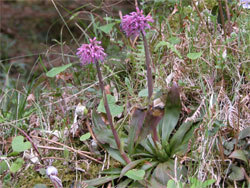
pixel 83 153
pixel 32 143
pixel 203 22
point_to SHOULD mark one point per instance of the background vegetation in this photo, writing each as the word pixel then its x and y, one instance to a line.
pixel 191 44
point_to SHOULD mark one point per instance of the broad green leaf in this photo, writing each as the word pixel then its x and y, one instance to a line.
pixel 194 56
pixel 115 110
pixel 3 167
pixel 143 93
pixel 131 165
pixel 15 166
pixel 237 173
pixel 107 28
pixel 244 133
pixel 171 113
pixel 239 154
pixel 85 137
pixel 135 128
pixel 114 153
pixel 100 181
pixel 103 133
pixel 135 174
pixel 163 171
pixel 56 70
pixel 19 145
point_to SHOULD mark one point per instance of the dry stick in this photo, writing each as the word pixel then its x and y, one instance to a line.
pixel 228 18
pixel 222 18
pixel 149 71
pixel 106 106
pixel 83 153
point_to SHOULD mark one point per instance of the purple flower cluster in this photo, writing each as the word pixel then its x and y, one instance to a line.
pixel 135 23
pixel 92 52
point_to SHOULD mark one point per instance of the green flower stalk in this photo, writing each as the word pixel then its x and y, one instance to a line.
pixel 93 53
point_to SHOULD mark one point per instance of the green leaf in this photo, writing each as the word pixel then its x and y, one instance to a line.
pixel 16 165
pixel 124 184
pixel 112 171
pixel 100 181
pixel 163 172
pixel 97 120
pixel 244 133
pixel 19 145
pixel 177 137
pixel 169 45
pixel 171 113
pixel 160 44
pixel 135 174
pixel 143 93
pixel 174 40
pixel 56 70
pixel 107 28
pixel 115 110
pixel 208 182
pixel 171 184
pixel 131 165
pixel 114 153
pixel 194 56
pixel 85 137
pixel 3 167
pixel 103 133
pixel 237 173
pixel 239 154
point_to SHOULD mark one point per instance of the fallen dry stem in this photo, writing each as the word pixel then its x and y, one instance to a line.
pixel 82 153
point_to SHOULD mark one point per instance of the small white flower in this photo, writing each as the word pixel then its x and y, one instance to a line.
pixel 52 173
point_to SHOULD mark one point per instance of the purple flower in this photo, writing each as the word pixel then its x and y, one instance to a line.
pixel 135 23
pixel 90 53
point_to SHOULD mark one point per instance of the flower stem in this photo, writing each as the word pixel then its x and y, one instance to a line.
pixel 109 116
pixel 149 71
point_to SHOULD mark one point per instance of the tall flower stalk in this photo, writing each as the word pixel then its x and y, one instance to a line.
pixel 133 25
pixel 93 53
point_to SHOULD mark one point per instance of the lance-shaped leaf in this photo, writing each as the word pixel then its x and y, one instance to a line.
pixel 152 119
pixel 100 181
pixel 171 113
pixel 131 165
pixel 135 127
pixel 239 154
